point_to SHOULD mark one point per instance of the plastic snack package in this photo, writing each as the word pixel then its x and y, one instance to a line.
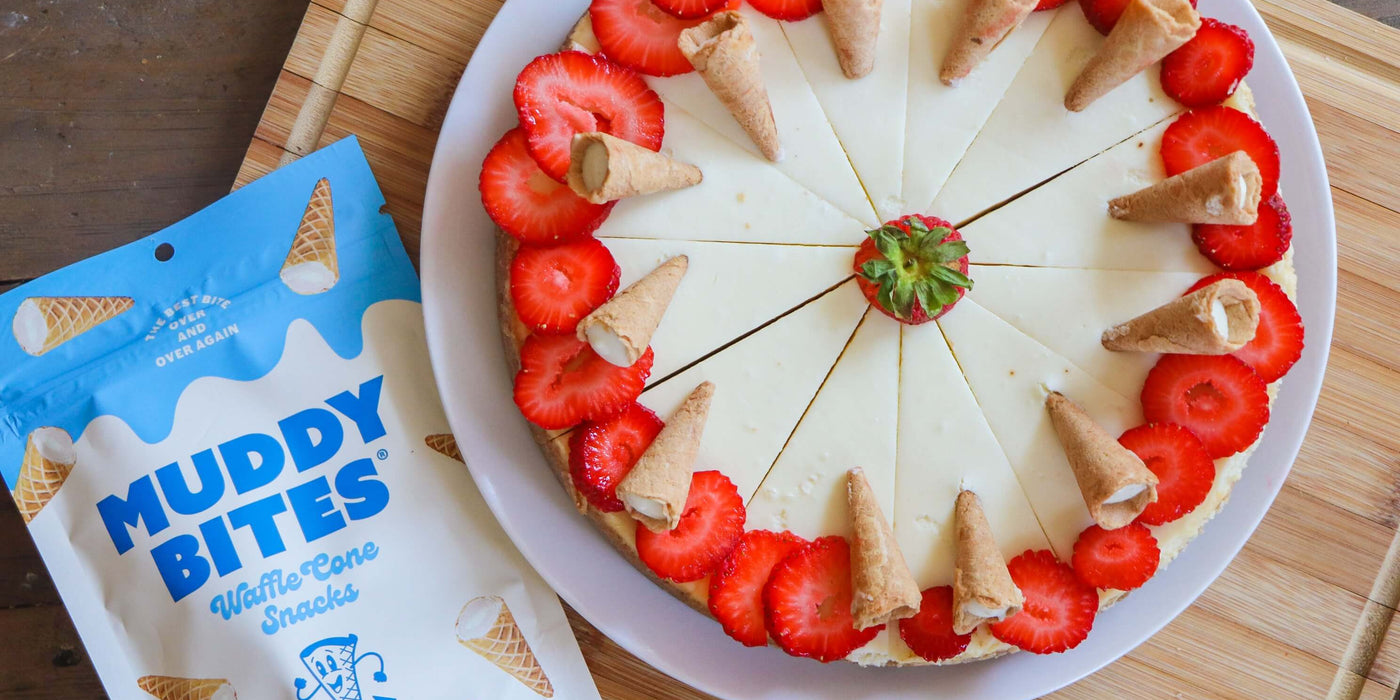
pixel 226 440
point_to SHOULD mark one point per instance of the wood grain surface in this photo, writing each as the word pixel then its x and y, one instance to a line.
pixel 119 118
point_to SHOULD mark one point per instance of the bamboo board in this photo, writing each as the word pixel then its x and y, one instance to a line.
pixel 1304 611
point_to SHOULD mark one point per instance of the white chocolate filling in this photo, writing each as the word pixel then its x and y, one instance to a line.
pixel 650 507
pixel 1219 318
pixel 1127 493
pixel 595 166
pixel 607 344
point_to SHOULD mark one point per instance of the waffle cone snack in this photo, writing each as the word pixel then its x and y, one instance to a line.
pixel 1115 483
pixel 44 323
pixel 855 27
pixel 603 168
pixel 1223 191
pixel 982 587
pixel 311 266
pixel 1192 324
pixel 445 444
pixel 48 460
pixel 723 52
pixel 620 330
pixel 1147 31
pixel 487 627
pixel 656 489
pixel 882 588
pixel 985 24
pixel 174 688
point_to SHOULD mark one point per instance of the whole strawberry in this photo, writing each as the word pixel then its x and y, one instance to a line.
pixel 913 269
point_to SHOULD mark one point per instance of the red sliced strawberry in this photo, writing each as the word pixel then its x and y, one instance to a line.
pixel 1103 14
pixel 736 589
pixel 1203 135
pixel 1049 5
pixel 528 204
pixel 1122 559
pixel 552 288
pixel 691 9
pixel 1248 247
pixel 790 10
pixel 642 36
pixel 1278 342
pixel 808 602
pixel 913 269
pixel 1217 397
pixel 1185 472
pixel 562 382
pixel 1207 69
pixel 930 632
pixel 709 528
pixel 1059 609
pixel 563 94
pixel 602 452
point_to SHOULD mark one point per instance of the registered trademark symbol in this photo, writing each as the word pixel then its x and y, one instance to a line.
pixel 382 455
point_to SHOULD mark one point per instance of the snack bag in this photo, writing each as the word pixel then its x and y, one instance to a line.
pixel 226 441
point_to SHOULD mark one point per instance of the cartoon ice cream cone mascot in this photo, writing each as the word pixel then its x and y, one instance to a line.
pixel 332 665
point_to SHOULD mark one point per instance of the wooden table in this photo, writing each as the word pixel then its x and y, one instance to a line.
pixel 118 119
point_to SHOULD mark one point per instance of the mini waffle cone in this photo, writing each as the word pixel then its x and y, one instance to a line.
pixel 1101 465
pixel 445 444
pixel 663 471
pixel 70 317
pixel 173 688
pixel 635 312
pixel 855 28
pixel 980 575
pixel 883 590
pixel 315 237
pixel 505 646
pixel 1184 325
pixel 632 169
pixel 38 482
pixel 1223 191
pixel 984 25
pixel 1147 31
pixel 723 51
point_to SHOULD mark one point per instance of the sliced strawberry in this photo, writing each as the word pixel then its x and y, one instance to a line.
pixel 736 588
pixel 929 633
pixel 563 94
pixel 528 204
pixel 709 528
pixel 1059 609
pixel 1121 559
pixel 790 10
pixel 1103 14
pixel 602 452
pixel 1049 5
pixel 913 269
pixel 691 9
pixel 642 36
pixel 1203 135
pixel 1185 472
pixel 1207 69
pixel 1248 247
pixel 1278 341
pixel 563 382
pixel 808 602
pixel 1217 397
pixel 552 288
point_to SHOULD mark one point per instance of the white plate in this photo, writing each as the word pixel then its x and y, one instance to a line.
pixel 458 300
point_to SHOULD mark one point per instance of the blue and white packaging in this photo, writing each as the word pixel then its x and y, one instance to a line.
pixel 226 440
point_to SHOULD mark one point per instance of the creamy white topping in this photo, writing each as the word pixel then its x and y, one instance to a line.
pixel 1219 318
pixel 311 277
pixel 55 445
pixel 30 327
pixel 607 344
pixel 976 609
pixel 650 507
pixel 1127 493
pixel 224 692
pixel 478 616
pixel 595 165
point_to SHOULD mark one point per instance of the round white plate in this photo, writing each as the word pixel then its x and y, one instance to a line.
pixel 459 302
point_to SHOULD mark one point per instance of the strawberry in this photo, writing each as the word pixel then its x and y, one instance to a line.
pixel 1059 608
pixel 1185 472
pixel 526 203
pixel 808 602
pixel 1207 69
pixel 602 452
pixel 1049 5
pixel 1103 14
pixel 690 9
pixel 644 37
pixel 790 10
pixel 1217 397
pixel 929 633
pixel 1202 135
pixel 1121 559
pixel 562 382
pixel 710 527
pixel 1278 341
pixel 1248 247
pixel 562 94
pixel 913 269
pixel 736 589
pixel 552 288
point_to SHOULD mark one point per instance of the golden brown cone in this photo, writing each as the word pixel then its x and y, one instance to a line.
pixel 1185 325
pixel 445 444
pixel 883 590
pixel 64 318
pixel 1223 191
pixel 40 477
pixel 173 688
pixel 1146 32
pixel 723 51
pixel 635 312
pixel 505 646
pixel 1101 465
pixel 314 244
pixel 984 25
pixel 662 474
pixel 626 169
pixel 855 29
pixel 581 37
pixel 980 576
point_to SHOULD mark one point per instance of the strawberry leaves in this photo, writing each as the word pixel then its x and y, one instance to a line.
pixel 916 272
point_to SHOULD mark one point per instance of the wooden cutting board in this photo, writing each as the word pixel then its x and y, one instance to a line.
pixel 1305 610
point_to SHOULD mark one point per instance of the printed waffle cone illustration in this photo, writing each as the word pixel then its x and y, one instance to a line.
pixel 487 627
pixel 175 688
pixel 48 460
pixel 44 323
pixel 984 25
pixel 1147 31
pixel 445 444
pixel 311 266
pixel 723 51
pixel 855 27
